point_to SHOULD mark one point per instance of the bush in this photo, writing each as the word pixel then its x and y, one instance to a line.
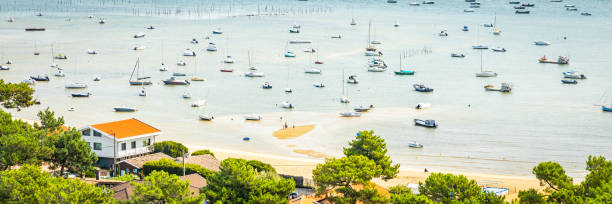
pixel 203 152
pixel 176 168
pixel 171 148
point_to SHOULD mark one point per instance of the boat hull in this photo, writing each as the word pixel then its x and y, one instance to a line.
pixel 124 109
pixel 140 83
pixel 403 72
pixel 607 109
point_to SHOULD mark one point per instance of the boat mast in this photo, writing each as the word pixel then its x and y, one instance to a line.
pixel 481 60
pixel 495 22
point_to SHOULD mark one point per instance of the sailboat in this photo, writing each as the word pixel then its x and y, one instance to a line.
pixel 353 23
pixel 195 76
pixel 344 98
pixel 484 73
pixel 318 61
pixel 480 46
pixel 139 80
pixel 253 72
pixel 370 49
pixel 163 67
pixel 607 108
pixel 206 116
pixel 374 41
pixel 495 30
pixel 36 50
pixel 402 71
pixel 76 85
pixel 53 64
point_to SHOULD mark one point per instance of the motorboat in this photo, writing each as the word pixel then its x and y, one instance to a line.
pixel 61 56
pixel 318 62
pixel 514 2
pixel 228 60
pixel 139 47
pixel 299 41
pixel 319 85
pixel 475 6
pixel 294 30
pixel 505 87
pixel 266 85
pixel 585 14
pixel 528 5
pixel 40 78
pixel 206 117
pixel 60 73
pixel 286 105
pixel 174 81
pixel 163 68
pixel 139 35
pixel 569 81
pixel 350 114
pixel 345 99
pixel 211 47
pixel 253 117
pixel 396 24
pixel 187 95
pixel 124 109
pixel 217 31
pixel 414 144
pixel 496 31
pixel 376 69
pixel 10 19
pixel 189 53
pixel 428 2
pixel 542 43
pixel 253 74
pixel 352 79
pixel 480 47
pixel 363 108
pixel 312 71
pixel 415 4
pixel 404 72
pixel 288 90
pixel 465 28
pixel 522 12
pixel 181 63
pixel 80 95
pixel 499 49
pixel 443 33
pixel 475 3
pixel 76 85
pixel 573 75
pixel 310 50
pixel 486 74
pixel 290 54
pixel 425 123
pixel 422 88
pixel 92 52
pixel 457 55
pixel 560 60
pixel 336 36
pixel 4 67
pixel 194 41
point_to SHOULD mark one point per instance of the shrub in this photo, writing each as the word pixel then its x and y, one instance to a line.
pixel 203 152
pixel 171 148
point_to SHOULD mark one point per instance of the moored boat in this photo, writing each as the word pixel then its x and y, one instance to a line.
pixel 350 114
pixel 253 117
pixel 573 75
pixel 457 55
pixel 422 88
pixel 312 71
pixel 81 95
pixel 414 144
pixel 522 12
pixel 124 109
pixel 569 81
pixel 253 74
pixel 480 47
pixel 40 78
pixel 505 87
pixel 363 108
pixel 76 85
pixel 139 35
pixel 174 81
pixel 542 43
pixel 425 123
pixel 560 60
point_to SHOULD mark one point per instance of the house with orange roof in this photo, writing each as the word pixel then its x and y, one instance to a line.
pixel 119 140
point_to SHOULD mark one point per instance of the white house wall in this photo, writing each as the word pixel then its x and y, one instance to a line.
pixel 107 145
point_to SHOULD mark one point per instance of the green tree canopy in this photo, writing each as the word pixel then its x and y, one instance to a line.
pixel 20 143
pixel 238 182
pixel 16 95
pixel 30 185
pixel 450 188
pixel 374 148
pixel 161 187
pixel 531 196
pixel 49 122
pixel 171 148
pixel 261 167
pixel 552 174
pixel 202 152
pixel 70 152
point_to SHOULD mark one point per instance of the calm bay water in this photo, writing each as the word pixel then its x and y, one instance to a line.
pixel 540 120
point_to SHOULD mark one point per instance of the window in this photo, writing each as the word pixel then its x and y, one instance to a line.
pixel 134 145
pixel 146 142
pixel 123 146
pixel 85 132
pixel 97 146
pixel 97 134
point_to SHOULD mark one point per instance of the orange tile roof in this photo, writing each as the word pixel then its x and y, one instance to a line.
pixel 126 128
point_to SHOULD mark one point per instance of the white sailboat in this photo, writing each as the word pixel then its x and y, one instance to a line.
pixel 485 73
pixel 195 76
pixel 344 98
pixel 495 30
pixel 163 67
pixel 76 85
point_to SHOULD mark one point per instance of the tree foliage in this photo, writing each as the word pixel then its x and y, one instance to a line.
pixel 450 188
pixel 161 187
pixel 16 95
pixel 552 174
pixel 239 182
pixel 71 153
pixel 203 152
pixel 531 196
pixel 261 167
pixel 20 143
pixel 30 185
pixel 48 121
pixel 171 148
pixel 175 168
pixel 374 148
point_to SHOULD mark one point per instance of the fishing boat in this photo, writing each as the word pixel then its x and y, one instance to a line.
pixel 124 109
pixel 465 28
pixel 350 114
pixel 181 63
pixel 189 53
pixel 425 123
pixel 294 30
pixel 194 41
pixel 319 85
pixel 422 88
pixel 499 49
pixel 573 75
pixel 312 71
pixel 542 43
pixel 522 12
pixel 217 31
pixel 211 47
pixel 76 85
pixel 362 108
pixel 352 79
pixel 457 55
pixel 505 87
pixel 206 117
pixel 40 78
pixel 138 80
pixel 139 35
pixel 92 52
pixel 61 56
pixel 174 81
pixel 253 117
pixel 266 85
pixel 228 60
pixel 80 95
pixel 253 74
pixel 569 81
pixel 480 47
pixel 286 105
pixel 560 60
pixel 290 54
pixel 299 41
pixel 414 144
pixel 585 14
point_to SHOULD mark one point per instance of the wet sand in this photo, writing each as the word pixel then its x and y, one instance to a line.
pixel 293 132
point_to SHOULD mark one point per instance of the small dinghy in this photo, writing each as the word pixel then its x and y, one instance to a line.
pixel 253 74
pixel 206 117
pixel 571 9
pixel 428 2
pixel 40 78
pixel 211 47
pixel 505 87
pixel 310 50
pixel 101 21
pixel 189 53
pixel 569 81
pixel 228 60
pixel 139 35
pixel 181 63
pixel 457 55
pixel 319 85
pixel 286 105
pixel 486 73
pixel 217 31
pixel 425 123
pixel 490 25
pixel 289 54
pixel 499 49
pixel 92 52
pixel 194 41
pixel 266 85
pixel 352 79
pixel 528 5
pixel 81 95
pixel 253 118
pixel 422 88
pixel 363 108
pixel 420 106
pixel 312 71
pixel 345 99
pixel 514 2
pixel 376 69
pixel 414 144
pixel 350 114
pixel 124 109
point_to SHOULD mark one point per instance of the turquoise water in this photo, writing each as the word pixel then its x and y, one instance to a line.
pixel 540 120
